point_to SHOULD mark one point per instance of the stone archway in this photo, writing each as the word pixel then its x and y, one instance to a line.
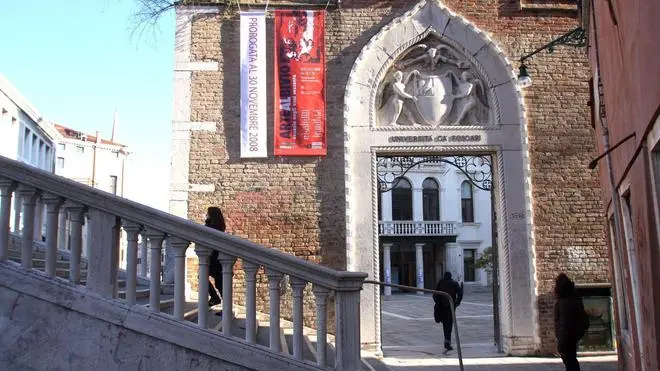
pixel 455 62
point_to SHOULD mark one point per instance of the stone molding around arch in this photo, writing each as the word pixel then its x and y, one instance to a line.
pixel 500 131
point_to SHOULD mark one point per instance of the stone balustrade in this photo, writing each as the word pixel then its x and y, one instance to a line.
pixel 108 216
pixel 416 228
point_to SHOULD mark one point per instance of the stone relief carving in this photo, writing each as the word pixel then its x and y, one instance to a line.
pixel 432 85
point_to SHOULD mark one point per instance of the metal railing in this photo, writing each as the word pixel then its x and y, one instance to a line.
pixel 441 293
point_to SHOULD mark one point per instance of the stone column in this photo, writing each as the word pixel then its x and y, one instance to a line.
pixel 386 206
pixel 417 201
pixel 454 261
pixel 387 267
pixel 419 251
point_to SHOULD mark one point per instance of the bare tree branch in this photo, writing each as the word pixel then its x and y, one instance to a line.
pixel 148 14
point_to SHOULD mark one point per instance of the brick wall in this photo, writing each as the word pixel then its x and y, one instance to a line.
pixel 297 204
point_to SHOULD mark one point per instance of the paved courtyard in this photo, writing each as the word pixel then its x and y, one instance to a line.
pixel 413 341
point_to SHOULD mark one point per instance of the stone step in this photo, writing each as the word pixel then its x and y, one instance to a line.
pixel 140 292
pixel 41 256
pixel 41 263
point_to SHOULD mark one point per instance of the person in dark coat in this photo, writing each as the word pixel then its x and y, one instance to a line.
pixel 571 321
pixel 215 220
pixel 442 309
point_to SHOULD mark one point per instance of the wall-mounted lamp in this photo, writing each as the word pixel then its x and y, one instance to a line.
pixel 524 81
pixel 576 38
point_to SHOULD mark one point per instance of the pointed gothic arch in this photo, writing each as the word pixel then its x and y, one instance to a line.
pixel 408 126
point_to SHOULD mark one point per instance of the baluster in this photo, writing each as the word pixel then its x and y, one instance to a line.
pixel 132 232
pixel 298 286
pixel 227 262
pixel 250 301
pixel 203 253
pixel 53 204
pixel 321 294
pixel 144 256
pixel 274 279
pixel 156 244
pixel 7 188
pixel 76 216
pixel 29 197
pixel 179 246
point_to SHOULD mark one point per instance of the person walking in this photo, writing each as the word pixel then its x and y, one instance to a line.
pixel 442 308
pixel 215 220
pixel 571 321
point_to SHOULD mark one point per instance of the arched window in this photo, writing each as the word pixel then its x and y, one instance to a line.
pixel 402 200
pixel 467 203
pixel 431 199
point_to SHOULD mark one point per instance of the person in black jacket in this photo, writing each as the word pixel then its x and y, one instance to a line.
pixel 571 321
pixel 442 309
pixel 215 220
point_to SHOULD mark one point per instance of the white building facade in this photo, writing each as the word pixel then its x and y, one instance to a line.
pixel 24 136
pixel 94 161
pixel 432 219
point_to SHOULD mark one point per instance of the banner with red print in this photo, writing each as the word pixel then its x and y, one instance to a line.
pixel 299 97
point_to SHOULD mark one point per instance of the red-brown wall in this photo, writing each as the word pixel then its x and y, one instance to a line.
pixel 624 43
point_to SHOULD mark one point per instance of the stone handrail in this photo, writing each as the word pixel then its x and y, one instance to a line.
pixel 108 214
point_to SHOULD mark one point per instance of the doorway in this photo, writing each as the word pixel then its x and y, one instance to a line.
pixel 459 238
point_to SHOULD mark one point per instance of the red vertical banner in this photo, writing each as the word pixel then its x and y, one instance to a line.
pixel 300 83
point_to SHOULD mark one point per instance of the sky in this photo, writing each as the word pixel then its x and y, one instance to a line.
pixel 77 61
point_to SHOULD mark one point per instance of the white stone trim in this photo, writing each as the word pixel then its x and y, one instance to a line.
pixel 505 139
pixel 181 114
pixel 195 66
pixel 197 9
pixel 194 126
pixel 202 188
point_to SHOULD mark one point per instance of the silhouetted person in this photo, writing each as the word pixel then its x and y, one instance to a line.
pixel 215 220
pixel 571 321
pixel 442 309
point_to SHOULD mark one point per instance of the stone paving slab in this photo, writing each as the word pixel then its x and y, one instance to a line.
pixel 411 362
pixel 412 341
pixel 408 320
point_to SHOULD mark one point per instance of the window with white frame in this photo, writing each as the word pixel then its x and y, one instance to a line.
pixel 430 199
pixel 61 146
pixel 467 202
pixel 113 184
pixel 60 162
pixel 402 200
pixel 80 149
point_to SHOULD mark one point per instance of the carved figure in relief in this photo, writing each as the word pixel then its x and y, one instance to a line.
pixel 430 86
pixel 394 104
pixel 432 56
pixel 471 96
